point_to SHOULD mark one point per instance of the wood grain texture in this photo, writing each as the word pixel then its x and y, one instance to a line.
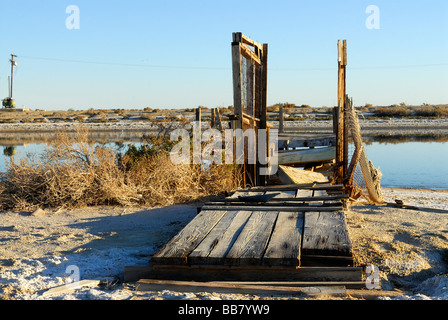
pixel 325 234
pixel 251 243
pixel 285 243
pixel 282 194
pixel 178 248
pixel 218 242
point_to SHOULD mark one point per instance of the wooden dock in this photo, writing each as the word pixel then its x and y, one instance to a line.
pixel 300 234
pixel 272 235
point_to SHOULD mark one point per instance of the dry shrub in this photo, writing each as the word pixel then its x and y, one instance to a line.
pixel 76 172
pixel 163 183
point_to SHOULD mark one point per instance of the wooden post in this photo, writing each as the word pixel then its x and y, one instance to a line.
pixel 198 114
pixel 237 96
pixel 264 91
pixel 218 121
pixel 262 180
pixel 212 118
pixel 341 163
pixel 236 69
pixel 280 120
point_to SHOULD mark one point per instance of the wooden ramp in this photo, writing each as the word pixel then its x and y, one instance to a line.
pixel 299 234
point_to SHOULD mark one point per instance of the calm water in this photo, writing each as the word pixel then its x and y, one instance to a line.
pixel 411 164
pixel 407 165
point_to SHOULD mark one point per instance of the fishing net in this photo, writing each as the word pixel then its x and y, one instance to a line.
pixel 363 176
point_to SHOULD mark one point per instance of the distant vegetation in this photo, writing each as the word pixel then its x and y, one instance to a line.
pixel 403 111
pixel 292 112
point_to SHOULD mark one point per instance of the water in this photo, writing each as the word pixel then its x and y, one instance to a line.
pixel 403 165
pixel 411 164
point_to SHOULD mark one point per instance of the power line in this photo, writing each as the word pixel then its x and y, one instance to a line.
pixel 228 68
pixel 124 64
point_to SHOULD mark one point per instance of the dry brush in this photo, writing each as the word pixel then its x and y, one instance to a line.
pixel 77 172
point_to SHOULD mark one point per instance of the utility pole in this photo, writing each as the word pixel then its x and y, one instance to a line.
pixel 9 102
pixel 13 64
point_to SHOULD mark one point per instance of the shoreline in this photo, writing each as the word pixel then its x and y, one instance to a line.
pixel 394 124
pixel 400 130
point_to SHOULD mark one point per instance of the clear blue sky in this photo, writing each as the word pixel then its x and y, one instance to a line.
pixel 175 54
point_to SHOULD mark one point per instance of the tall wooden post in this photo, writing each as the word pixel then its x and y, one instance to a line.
pixel 237 95
pixel 262 180
pixel 237 80
pixel 341 141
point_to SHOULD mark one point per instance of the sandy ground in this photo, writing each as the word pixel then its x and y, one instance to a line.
pixel 42 251
pixel 410 247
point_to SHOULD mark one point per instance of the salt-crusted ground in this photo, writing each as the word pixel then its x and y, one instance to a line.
pixel 410 247
pixel 311 124
pixel 39 252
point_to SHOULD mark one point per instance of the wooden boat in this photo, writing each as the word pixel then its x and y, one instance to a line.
pixel 307 155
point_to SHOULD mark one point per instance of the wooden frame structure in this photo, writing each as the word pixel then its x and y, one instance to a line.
pixel 250 69
pixel 273 233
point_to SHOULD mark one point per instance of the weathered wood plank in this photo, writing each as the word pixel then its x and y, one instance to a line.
pixel 249 54
pixel 249 247
pixel 291 175
pixel 237 194
pixel 262 207
pixel 281 194
pixel 325 233
pixel 320 193
pixel 218 242
pixel 250 42
pixel 347 284
pixel 277 204
pixel 308 186
pixel 70 287
pixel 285 243
pixel 178 248
pixel 221 287
pixel 303 193
pixel 241 273
pixel 297 200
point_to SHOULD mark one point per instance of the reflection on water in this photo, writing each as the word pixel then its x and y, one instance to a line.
pixel 411 164
pixel 404 163
pixel 35 150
